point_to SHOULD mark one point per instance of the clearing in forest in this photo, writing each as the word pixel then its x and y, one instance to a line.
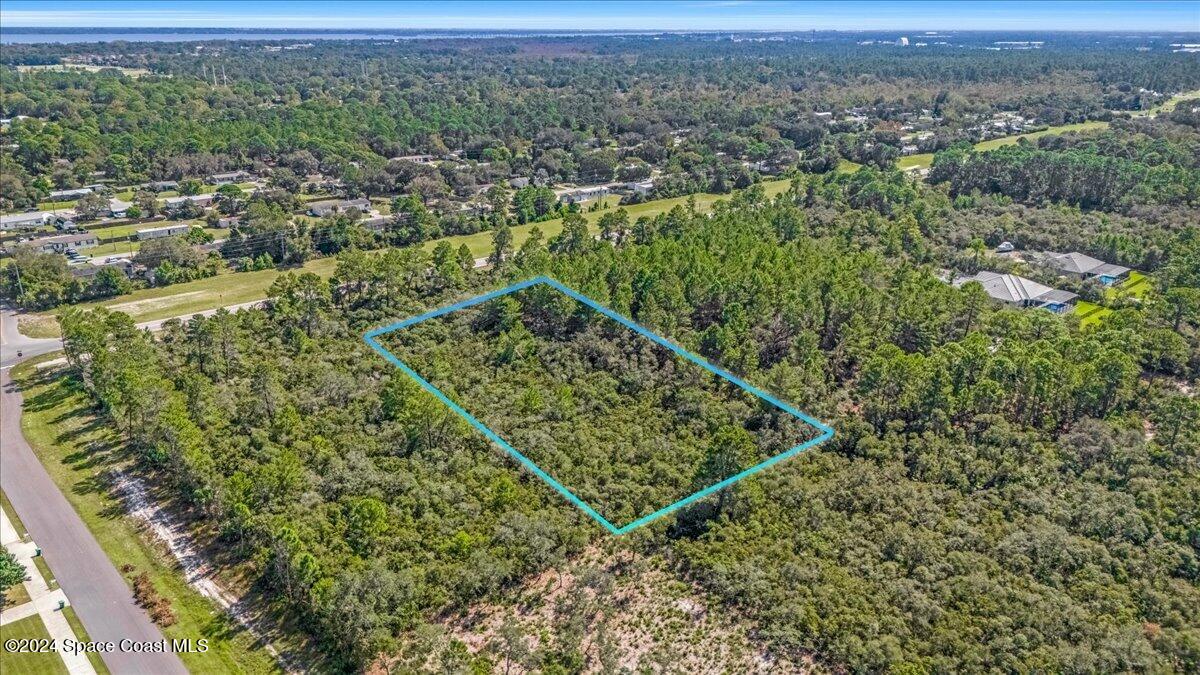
pixel 626 425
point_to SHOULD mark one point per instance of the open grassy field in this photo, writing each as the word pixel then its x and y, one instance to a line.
pixel 238 287
pixel 78 450
pixel 29 663
pixel 1168 105
pixel 925 160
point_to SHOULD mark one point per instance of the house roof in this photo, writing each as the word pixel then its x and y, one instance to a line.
pixel 1073 262
pixel 1109 269
pixel 1008 287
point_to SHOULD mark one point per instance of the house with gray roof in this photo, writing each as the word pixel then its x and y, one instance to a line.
pixel 1017 291
pixel 1081 266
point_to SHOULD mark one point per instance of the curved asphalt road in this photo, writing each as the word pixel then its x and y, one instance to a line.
pixel 96 590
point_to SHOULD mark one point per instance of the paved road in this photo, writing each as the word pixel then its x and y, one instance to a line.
pixel 100 596
pixel 101 599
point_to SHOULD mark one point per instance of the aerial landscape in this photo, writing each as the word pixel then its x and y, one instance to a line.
pixel 626 337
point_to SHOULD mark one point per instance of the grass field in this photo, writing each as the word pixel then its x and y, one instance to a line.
pixel 29 663
pixel 1090 314
pixel 77 450
pixel 925 160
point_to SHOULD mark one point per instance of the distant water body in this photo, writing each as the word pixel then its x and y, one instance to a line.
pixel 65 37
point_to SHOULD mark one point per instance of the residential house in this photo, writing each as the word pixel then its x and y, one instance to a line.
pixel 583 194
pixel 416 159
pixel 67 195
pixel 25 221
pixel 228 222
pixel 175 203
pixel 62 242
pixel 641 187
pixel 229 177
pixel 158 232
pixel 1016 291
pixel 1081 266
pixel 325 207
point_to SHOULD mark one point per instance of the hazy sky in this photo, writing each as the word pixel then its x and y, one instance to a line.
pixel 682 15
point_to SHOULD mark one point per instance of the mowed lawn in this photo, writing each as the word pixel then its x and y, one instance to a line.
pixel 232 288
pixel 78 450
pixel 1138 286
pixel 31 663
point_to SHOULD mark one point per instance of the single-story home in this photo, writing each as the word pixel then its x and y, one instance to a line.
pixel 583 194
pixel 228 222
pixel 325 207
pixel 24 221
pixel 1021 292
pixel 174 203
pixel 67 195
pixel 62 242
pixel 1081 266
pixel 229 177
pixel 416 159
pixel 375 223
pixel 157 232
pixel 641 187
pixel 88 271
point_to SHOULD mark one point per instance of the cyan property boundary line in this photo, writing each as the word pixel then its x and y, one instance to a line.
pixel 826 431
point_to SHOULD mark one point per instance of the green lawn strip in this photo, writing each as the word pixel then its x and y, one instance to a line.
pixel 40 563
pixel 77 450
pixel 1090 314
pixel 12 516
pixel 81 635
pixel 29 662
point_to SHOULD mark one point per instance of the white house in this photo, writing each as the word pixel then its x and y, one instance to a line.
pixel 324 208
pixel 229 177
pixel 25 221
pixel 174 203
pixel 158 232
pixel 62 242
pixel 67 195
pixel 583 194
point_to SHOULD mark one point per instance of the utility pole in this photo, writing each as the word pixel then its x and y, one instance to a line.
pixel 20 287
